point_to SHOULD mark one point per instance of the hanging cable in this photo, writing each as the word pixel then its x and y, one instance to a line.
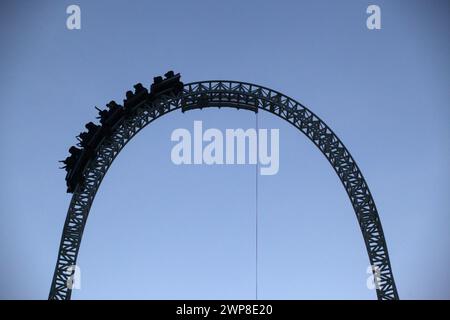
pixel 256 205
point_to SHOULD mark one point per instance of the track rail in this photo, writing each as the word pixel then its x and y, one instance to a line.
pixel 224 93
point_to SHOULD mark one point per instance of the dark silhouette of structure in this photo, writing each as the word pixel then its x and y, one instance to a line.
pixel 100 144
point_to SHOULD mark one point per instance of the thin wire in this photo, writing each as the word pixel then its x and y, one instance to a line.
pixel 256 207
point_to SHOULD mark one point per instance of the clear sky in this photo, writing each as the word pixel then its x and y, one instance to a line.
pixel 161 231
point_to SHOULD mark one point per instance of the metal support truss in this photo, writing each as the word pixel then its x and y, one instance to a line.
pixel 226 94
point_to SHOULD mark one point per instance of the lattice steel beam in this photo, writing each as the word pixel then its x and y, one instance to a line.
pixel 225 94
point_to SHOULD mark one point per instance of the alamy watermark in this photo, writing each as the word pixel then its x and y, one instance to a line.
pixel 74 279
pixel 73 21
pixel 373 22
pixel 374 279
pixel 236 146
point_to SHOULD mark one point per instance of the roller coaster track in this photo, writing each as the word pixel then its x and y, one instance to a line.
pixel 224 93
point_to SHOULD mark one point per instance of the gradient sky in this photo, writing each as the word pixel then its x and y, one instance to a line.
pixel 160 231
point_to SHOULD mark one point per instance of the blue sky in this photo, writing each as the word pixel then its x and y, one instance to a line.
pixel 160 231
